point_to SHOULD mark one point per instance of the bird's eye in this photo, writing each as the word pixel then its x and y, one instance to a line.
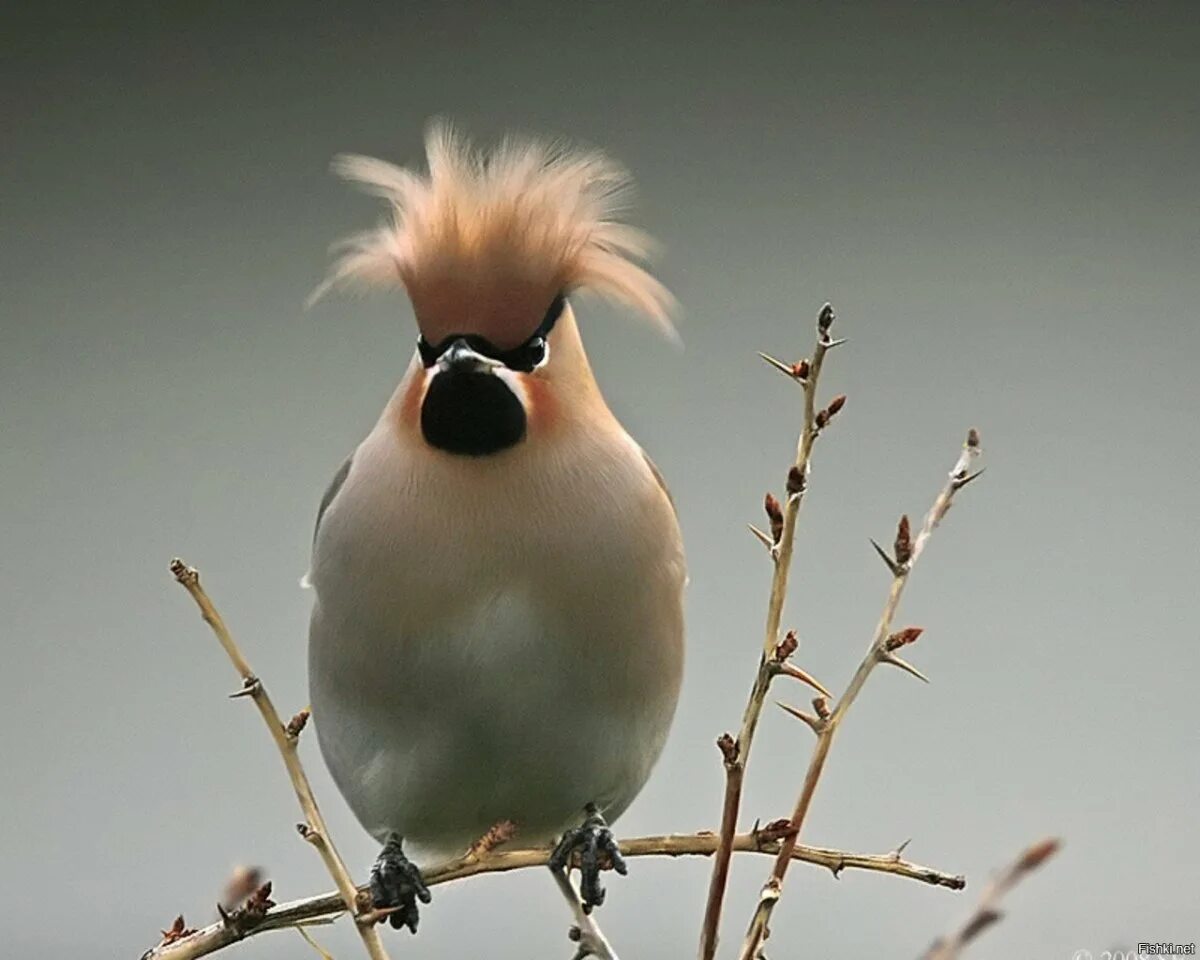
pixel 526 358
pixel 429 353
pixel 536 353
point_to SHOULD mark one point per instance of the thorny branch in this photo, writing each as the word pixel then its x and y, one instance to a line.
pixel 987 912
pixel 260 914
pixel 764 840
pixel 285 736
pixel 779 839
pixel 774 658
pixel 586 932
pixel 906 552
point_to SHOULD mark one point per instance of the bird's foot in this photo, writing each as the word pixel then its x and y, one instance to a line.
pixel 397 885
pixel 591 840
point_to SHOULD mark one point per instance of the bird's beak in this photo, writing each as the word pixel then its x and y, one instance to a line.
pixel 461 358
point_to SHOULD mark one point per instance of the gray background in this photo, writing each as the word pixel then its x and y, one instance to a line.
pixel 1001 200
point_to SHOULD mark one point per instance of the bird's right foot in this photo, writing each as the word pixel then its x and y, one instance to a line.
pixel 397 885
pixel 590 842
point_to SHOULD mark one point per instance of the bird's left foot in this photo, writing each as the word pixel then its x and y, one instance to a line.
pixel 397 885
pixel 591 840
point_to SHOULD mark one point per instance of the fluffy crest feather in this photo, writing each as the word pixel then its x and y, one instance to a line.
pixel 484 242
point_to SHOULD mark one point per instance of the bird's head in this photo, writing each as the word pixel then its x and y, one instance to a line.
pixel 489 247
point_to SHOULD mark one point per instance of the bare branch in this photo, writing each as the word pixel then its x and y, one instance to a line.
pixel 779 839
pixel 586 932
pixel 285 737
pixel 807 374
pixel 907 551
pixel 200 943
pixel 987 911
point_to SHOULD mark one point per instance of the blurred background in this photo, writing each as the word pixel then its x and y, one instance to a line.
pixel 999 198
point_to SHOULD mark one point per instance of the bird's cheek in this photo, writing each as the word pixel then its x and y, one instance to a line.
pixel 410 405
pixel 541 406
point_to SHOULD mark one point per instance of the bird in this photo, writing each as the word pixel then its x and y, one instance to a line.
pixel 497 629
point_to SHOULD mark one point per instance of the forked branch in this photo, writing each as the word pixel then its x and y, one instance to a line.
pixel 884 643
pixel 181 943
pixel 987 912
pixel 285 736
pixel 774 657
pixel 779 839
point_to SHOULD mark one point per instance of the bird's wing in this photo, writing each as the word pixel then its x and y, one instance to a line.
pixel 660 480
pixel 327 498
pixel 331 493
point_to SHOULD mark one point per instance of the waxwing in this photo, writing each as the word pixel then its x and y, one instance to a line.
pixel 497 632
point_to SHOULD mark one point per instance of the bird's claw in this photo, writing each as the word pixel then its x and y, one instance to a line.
pixel 591 840
pixel 397 885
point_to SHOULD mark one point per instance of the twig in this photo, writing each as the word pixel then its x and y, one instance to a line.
pixel 736 752
pixel 308 938
pixel 286 737
pixel 882 650
pixel 766 840
pixel 586 932
pixel 987 912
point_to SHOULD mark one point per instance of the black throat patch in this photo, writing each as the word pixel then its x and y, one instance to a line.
pixel 471 413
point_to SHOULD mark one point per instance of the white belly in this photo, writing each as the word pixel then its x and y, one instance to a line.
pixel 466 670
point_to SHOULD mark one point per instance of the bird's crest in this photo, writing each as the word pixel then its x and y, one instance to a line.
pixel 483 243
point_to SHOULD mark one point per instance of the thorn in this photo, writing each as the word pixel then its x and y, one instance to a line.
pixel 825 318
pixel 762 536
pixel 830 344
pixel 814 723
pixel 789 370
pixel 891 564
pixel 791 670
pixel 904 665
pixel 895 854
pixel 960 482
pixel 250 687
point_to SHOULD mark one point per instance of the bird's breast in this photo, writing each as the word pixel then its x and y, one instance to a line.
pixel 494 633
pixel 570 554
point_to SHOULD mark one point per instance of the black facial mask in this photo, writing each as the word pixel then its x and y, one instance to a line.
pixel 524 358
